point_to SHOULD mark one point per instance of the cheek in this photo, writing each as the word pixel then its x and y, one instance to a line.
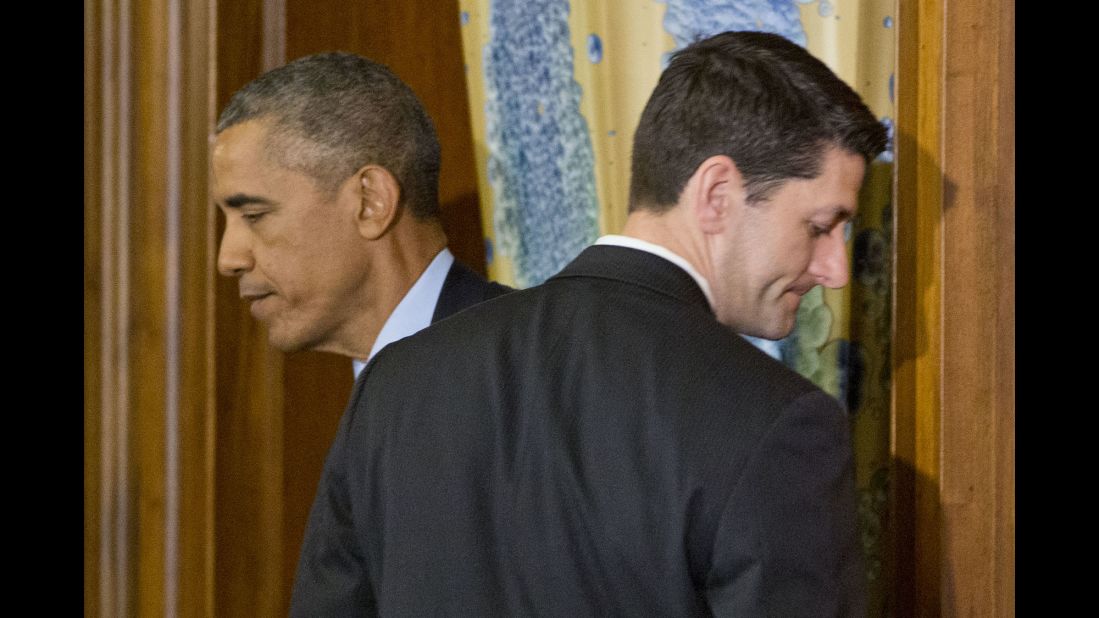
pixel 284 274
pixel 314 284
pixel 796 254
pixel 289 268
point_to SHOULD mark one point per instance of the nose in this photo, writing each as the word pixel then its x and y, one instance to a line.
pixel 235 253
pixel 829 265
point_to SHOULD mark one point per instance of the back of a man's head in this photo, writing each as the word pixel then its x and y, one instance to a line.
pixel 332 113
pixel 755 97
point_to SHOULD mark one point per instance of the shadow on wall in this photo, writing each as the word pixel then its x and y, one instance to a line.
pixel 921 581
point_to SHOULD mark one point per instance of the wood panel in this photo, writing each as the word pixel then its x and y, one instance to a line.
pixel 316 388
pixel 917 321
pixel 148 315
pixel 147 287
pixel 249 453
pixel 1004 445
pixel 953 433
pixel 106 201
pixel 196 253
pixel 974 253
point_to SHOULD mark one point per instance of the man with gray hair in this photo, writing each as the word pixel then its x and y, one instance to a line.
pixel 327 170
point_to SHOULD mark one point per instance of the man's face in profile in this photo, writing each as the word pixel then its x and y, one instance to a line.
pixel 776 250
pixel 291 247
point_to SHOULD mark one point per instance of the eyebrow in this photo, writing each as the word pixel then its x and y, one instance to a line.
pixel 241 199
pixel 841 214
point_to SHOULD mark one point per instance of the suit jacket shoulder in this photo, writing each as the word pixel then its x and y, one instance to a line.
pixel 464 288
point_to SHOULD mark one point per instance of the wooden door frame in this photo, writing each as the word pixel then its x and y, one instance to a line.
pixel 953 444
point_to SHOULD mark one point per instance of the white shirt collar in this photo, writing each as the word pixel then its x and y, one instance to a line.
pixel 644 245
pixel 414 312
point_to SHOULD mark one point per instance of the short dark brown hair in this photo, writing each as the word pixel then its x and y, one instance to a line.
pixel 759 99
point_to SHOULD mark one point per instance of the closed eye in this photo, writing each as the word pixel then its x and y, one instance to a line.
pixel 823 229
pixel 252 217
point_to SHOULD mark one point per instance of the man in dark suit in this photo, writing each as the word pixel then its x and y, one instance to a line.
pixel 327 172
pixel 605 443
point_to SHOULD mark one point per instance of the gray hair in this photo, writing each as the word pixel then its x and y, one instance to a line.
pixel 333 113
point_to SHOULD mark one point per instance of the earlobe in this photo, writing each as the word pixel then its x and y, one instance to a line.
pixel 378 197
pixel 719 190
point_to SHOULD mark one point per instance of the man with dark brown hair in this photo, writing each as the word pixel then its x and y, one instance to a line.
pixel 606 443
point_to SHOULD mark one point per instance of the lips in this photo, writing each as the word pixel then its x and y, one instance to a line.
pixel 251 296
pixel 256 297
pixel 254 291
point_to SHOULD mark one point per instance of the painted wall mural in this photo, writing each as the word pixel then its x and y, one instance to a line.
pixel 556 89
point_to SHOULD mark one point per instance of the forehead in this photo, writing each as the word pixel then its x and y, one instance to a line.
pixel 835 189
pixel 241 163
pixel 241 145
pixel 842 170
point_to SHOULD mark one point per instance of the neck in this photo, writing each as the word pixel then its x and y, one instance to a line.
pixel 669 230
pixel 394 264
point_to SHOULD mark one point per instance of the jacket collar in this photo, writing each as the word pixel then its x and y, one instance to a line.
pixel 636 267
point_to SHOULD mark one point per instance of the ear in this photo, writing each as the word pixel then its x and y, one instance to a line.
pixel 379 195
pixel 716 193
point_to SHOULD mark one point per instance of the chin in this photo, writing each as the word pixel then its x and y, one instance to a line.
pixel 783 331
pixel 284 346
pixel 774 332
pixel 774 335
pixel 773 327
pixel 285 342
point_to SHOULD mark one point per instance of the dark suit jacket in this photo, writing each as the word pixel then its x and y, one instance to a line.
pixel 464 288
pixel 597 445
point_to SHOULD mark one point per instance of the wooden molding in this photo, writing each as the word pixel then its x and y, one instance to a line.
pixel 954 340
pixel 148 354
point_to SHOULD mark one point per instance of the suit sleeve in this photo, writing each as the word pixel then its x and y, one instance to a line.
pixel 787 543
pixel 332 578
